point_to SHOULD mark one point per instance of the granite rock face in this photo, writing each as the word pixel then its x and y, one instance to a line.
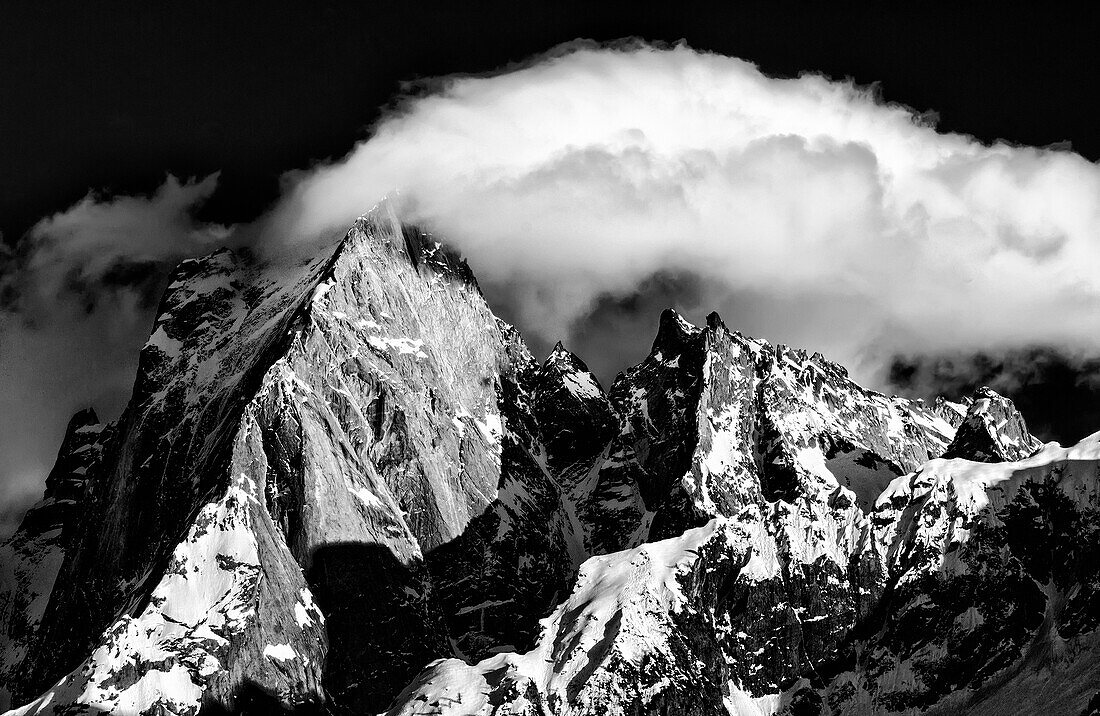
pixel 344 486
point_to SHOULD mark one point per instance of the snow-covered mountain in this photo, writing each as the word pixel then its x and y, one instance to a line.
pixel 344 486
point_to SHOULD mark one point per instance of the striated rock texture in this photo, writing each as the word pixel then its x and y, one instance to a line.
pixel 344 486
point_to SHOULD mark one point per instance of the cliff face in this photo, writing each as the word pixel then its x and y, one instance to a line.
pixel 31 560
pixel 344 486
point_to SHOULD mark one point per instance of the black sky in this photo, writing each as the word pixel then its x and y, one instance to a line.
pixel 111 97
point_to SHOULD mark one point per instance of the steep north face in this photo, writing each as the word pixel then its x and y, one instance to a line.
pixel 344 486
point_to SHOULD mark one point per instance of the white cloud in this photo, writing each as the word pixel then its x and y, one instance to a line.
pixel 589 171
pixel 90 238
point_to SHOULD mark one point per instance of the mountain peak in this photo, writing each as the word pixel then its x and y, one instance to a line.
pixel 672 321
pixel 559 353
pixel 337 474
pixel 382 228
pixel 563 360
pixel 674 333
pixel 993 430
pixel 715 322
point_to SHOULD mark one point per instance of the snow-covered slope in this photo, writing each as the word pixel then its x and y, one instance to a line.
pixel 975 620
pixel 343 486
pixel 994 599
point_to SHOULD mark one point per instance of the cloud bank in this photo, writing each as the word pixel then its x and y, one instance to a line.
pixel 593 182
pixel 810 210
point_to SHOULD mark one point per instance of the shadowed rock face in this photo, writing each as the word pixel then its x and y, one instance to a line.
pixel 30 561
pixel 574 415
pixel 344 486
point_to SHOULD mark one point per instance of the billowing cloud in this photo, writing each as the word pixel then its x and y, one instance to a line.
pixel 593 183
pixel 852 225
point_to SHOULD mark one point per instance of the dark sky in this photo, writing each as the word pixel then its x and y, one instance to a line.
pixel 111 97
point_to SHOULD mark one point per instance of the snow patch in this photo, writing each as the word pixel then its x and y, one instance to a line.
pixel 367 498
pixel 280 652
pixel 160 340
pixel 582 384
pixel 320 291
pixel 403 346
pixel 490 428
pixel 304 607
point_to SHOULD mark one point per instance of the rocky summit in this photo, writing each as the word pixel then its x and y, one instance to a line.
pixel 344 486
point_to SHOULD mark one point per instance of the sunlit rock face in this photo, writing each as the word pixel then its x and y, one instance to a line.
pixel 344 486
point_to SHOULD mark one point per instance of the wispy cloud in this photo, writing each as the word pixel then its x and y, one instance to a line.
pixel 77 299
